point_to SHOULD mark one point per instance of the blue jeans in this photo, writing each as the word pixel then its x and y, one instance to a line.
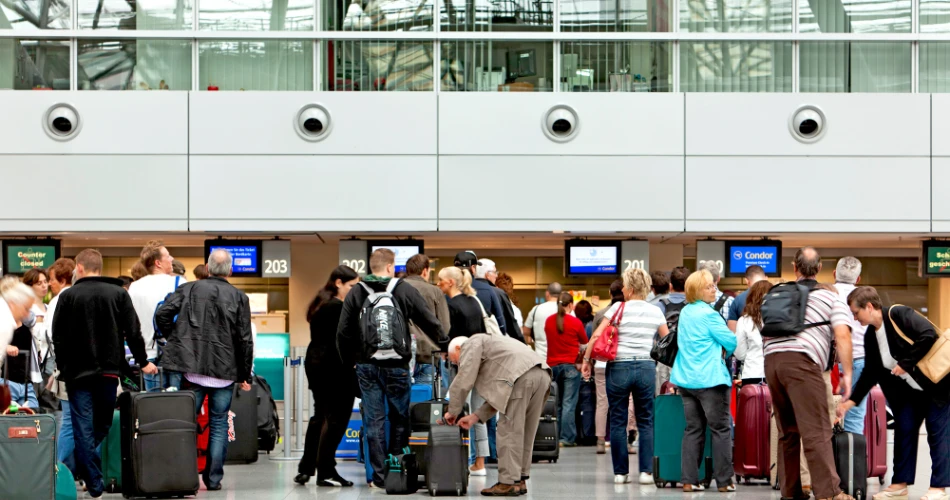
pixel 23 394
pixel 91 407
pixel 153 382
pixel 854 419
pixel 219 404
pixel 66 444
pixel 423 374
pixel 568 381
pixel 381 386
pixel 173 379
pixel 908 415
pixel 623 379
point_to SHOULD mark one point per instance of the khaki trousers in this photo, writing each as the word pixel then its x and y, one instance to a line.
pixel 518 426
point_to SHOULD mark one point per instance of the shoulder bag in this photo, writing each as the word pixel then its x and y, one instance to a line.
pixel 605 347
pixel 935 365
pixel 489 321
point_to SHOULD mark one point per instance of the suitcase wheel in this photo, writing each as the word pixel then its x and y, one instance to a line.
pixel 706 484
pixel 859 495
pixel 881 480
pixel 776 486
pixel 739 478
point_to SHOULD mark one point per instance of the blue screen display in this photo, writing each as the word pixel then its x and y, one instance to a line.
pixel 245 258
pixel 741 257
pixel 592 260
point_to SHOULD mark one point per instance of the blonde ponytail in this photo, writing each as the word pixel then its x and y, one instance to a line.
pixel 466 285
pixel 462 278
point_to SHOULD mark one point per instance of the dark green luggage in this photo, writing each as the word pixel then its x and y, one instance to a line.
pixel 28 457
pixel 669 425
pixel 111 452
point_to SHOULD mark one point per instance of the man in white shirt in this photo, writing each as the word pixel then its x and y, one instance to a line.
pixel 147 294
pixel 847 276
pixel 534 324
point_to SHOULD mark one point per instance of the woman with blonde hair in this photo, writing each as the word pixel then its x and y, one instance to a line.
pixel 631 372
pixel 700 373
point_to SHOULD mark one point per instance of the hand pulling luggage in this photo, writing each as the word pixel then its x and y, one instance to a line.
pixel 751 457
pixel 546 439
pixel 875 430
pixel 159 457
pixel 243 421
pixel 27 455
pixel 669 427
pixel 402 474
pixel 447 458
pixel 851 461
pixel 111 451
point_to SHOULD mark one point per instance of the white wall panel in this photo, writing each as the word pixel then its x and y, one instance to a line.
pixel 96 193
pixel 540 193
pixel 940 198
pixel 511 123
pixel 941 124
pixel 856 124
pixel 363 123
pixel 313 193
pixel 141 123
pixel 807 194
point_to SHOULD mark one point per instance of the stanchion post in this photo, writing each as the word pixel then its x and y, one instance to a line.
pixel 288 415
pixel 298 404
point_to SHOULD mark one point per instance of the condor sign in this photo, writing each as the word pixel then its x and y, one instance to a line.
pixel 765 254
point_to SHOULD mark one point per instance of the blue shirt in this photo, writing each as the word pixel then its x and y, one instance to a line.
pixel 737 306
pixel 674 298
pixel 701 337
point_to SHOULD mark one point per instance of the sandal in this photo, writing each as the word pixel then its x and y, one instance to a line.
pixel 934 495
pixel 900 494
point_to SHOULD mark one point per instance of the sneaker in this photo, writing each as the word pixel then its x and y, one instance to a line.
pixel 478 472
pixel 336 481
pixel 622 479
pixel 646 478
pixel 601 447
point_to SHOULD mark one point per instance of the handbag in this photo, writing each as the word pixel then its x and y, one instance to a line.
pixel 664 350
pixel 490 323
pixel 605 347
pixel 935 365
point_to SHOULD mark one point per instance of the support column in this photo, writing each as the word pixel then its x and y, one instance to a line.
pixel 938 301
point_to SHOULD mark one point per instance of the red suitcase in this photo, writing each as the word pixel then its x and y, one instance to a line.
pixel 875 428
pixel 750 456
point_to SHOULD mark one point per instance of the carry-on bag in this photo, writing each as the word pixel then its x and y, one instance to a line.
pixel 447 458
pixel 750 456
pixel 268 422
pixel 65 483
pixel 668 429
pixel 424 415
pixel 546 439
pixel 875 431
pixel 27 455
pixel 850 451
pixel 243 421
pixel 111 454
pixel 402 473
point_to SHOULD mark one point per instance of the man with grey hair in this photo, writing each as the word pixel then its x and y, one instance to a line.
pixel 534 324
pixel 723 301
pixel 486 273
pixel 212 345
pixel 847 276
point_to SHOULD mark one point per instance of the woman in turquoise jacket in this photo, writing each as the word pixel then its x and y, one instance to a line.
pixel 700 373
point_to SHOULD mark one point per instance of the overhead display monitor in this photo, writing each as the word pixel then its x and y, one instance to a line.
pixel 591 257
pixel 404 249
pixel 766 254
pixel 245 255
pixel 936 259
pixel 19 256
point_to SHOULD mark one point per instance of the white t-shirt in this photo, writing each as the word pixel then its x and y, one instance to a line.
pixel 749 348
pixel 41 336
pixel 638 326
pixel 146 293
pixel 535 321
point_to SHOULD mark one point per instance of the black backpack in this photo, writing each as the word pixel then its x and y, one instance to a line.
pixel 672 314
pixel 665 349
pixel 268 422
pixel 383 327
pixel 783 309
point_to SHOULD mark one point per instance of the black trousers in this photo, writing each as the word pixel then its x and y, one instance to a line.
pixel 331 415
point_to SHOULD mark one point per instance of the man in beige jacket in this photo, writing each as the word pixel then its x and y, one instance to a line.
pixel 514 381
pixel 417 275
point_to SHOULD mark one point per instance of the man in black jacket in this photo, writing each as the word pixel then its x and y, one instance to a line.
pixel 91 321
pixel 383 380
pixel 211 345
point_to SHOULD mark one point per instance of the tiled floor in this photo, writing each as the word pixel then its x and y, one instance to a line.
pixel 579 474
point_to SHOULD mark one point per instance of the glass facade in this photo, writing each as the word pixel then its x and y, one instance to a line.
pixel 477 45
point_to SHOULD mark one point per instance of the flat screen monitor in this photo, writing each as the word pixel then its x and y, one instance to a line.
pixel 521 63
pixel 591 258
pixel 19 256
pixel 766 254
pixel 404 249
pixel 245 255
pixel 936 259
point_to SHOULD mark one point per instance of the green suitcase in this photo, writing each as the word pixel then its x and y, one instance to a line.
pixel 65 483
pixel 28 457
pixel 669 424
pixel 111 452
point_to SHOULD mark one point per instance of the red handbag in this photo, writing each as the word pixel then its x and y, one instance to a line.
pixel 605 347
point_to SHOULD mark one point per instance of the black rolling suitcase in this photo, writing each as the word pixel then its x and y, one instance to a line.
pixel 546 439
pixel 426 415
pixel 447 457
pixel 851 461
pixel 243 450
pixel 159 456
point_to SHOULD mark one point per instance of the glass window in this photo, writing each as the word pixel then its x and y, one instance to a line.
pixel 616 66
pixel 255 65
pixel 730 16
pixel 498 66
pixel 137 15
pixel 934 16
pixel 934 67
pixel 497 15
pixel 29 15
pixel 34 64
pixel 262 15
pixel 134 65
pixel 855 67
pixel 368 65
pixel 623 15
pixel 854 16
pixel 385 15
pixel 743 66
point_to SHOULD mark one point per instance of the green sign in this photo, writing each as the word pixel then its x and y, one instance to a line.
pixel 22 258
pixel 938 261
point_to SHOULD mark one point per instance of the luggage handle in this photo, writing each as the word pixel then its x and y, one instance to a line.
pixel 437 374
pixel 161 380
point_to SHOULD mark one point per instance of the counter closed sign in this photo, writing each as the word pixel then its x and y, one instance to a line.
pixel 21 259
pixel 938 260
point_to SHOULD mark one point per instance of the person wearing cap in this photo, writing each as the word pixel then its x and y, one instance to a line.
pixel 483 289
pixel 534 324
pixel 486 272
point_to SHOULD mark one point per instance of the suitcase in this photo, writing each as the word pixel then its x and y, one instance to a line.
pixel 65 483
pixel 751 457
pixel 447 458
pixel 242 421
pixel 668 428
pixel 159 457
pixel 268 422
pixel 28 456
pixel 586 414
pixel 875 430
pixel 402 474
pixel 850 451
pixel 111 454
pixel 424 415
pixel 546 439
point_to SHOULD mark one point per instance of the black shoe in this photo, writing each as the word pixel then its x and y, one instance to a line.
pixel 632 436
pixel 334 482
pixel 215 487
pixel 302 478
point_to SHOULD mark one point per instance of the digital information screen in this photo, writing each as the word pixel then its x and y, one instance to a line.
pixel 246 258
pixel 403 253
pixel 741 257
pixel 593 260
